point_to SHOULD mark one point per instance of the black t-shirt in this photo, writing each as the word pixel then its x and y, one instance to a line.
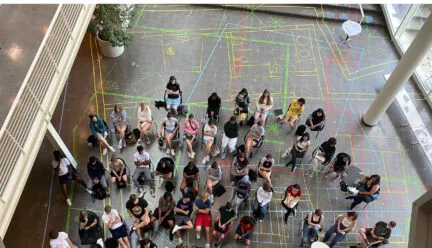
pixel 340 164
pixel 317 119
pixel 173 87
pixel 328 150
pixel 167 169
pixel 214 104
pixel 184 206
pixel 91 218
pixel 190 172
pixel 138 209
pixel 267 164
pixel 231 130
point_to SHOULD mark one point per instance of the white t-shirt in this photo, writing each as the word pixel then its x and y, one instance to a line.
pixel 112 216
pixel 60 242
pixel 64 163
pixel 208 129
pixel 170 124
pixel 301 144
pixel 141 157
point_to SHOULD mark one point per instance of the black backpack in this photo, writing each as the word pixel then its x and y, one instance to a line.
pixel 99 192
pixel 169 163
pixel 111 243
pixel 169 186
pixel 253 175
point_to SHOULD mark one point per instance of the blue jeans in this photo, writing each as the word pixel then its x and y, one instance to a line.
pixel 308 233
pixel 260 211
pixel 337 238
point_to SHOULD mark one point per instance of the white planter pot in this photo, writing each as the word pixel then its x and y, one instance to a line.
pixel 108 50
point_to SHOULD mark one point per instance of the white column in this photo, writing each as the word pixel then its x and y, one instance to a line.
pixel 57 141
pixel 403 71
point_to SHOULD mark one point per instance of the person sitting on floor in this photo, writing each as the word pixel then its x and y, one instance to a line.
pixel 137 209
pixel 378 234
pixel 100 132
pixel 145 122
pixel 213 106
pixel 119 119
pixel 264 104
pixel 325 152
pixel 182 219
pixel 344 224
pixel 262 201
pixel 316 120
pixel 202 209
pixel 299 150
pixel 369 188
pixel 296 107
pixel 312 225
pixel 255 136
pixel 118 170
pixel 340 164
pixel 191 127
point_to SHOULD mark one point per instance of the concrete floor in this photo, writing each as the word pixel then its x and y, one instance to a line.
pixel 217 49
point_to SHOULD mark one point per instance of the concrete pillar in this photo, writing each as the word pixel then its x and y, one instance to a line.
pixel 56 140
pixel 403 71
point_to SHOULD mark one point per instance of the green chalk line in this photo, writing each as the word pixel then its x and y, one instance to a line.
pixel 140 15
pixel 286 77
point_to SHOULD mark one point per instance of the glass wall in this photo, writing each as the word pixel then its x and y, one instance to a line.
pixel 405 21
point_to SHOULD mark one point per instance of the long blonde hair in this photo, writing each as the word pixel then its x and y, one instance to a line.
pixel 261 99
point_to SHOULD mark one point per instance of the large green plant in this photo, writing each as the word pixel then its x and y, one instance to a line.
pixel 111 22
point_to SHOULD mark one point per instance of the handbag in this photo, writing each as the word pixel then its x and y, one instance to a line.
pixel 219 190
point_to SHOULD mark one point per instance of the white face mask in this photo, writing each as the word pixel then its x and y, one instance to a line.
pixel 173 81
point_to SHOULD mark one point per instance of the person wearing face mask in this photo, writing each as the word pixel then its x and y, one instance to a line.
pixel 173 97
pixel 145 122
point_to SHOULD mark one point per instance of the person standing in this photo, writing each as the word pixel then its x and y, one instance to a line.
pixel 142 162
pixel 112 220
pixel 230 136
pixel 66 172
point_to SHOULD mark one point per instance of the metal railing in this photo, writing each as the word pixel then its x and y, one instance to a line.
pixel 25 125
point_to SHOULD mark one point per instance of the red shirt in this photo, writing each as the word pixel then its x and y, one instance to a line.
pixel 246 227
pixel 289 190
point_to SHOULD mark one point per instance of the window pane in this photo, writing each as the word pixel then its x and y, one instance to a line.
pixel 396 13
pixel 414 26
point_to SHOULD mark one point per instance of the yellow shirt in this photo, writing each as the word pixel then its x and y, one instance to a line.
pixel 295 109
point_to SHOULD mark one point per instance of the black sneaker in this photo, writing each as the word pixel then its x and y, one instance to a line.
pixel 286 218
pixel 171 236
pixel 294 212
pixel 131 230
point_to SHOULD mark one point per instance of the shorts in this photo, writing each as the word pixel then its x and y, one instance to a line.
pixel 112 173
pixel 181 220
pixel 263 112
pixel 65 178
pixel 173 101
pixel 238 231
pixel 224 232
pixel 189 137
pixel 207 138
pixel 191 182
pixel 169 130
pixel 257 141
pixel 165 221
pixel 203 220
pixel 104 134
pixel 119 232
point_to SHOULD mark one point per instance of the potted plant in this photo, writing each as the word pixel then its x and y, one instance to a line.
pixel 110 24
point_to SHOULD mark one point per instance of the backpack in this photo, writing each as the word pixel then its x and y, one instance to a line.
pixel 92 141
pixel 250 121
pixel 111 243
pixel 252 175
pixel 243 188
pixel 137 133
pixel 169 186
pixel 169 163
pixel 300 130
pixel 182 109
pixel 130 137
pixel 218 190
pixel 99 192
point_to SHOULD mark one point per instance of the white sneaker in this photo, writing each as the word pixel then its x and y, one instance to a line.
pixel 138 142
pixel 112 149
pixel 198 234
pixel 168 151
pixel 260 220
pixel 211 198
pixel 68 201
pixel 176 228
pixel 207 245
pixel 89 191
pixel 120 144
pixel 192 155
pixel 172 152
pixel 189 155
pixel 141 193
pixel 204 160
pixel 104 151
pixel 148 141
